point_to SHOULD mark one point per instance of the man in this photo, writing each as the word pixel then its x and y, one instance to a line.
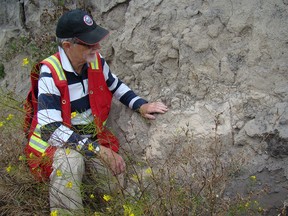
pixel 75 89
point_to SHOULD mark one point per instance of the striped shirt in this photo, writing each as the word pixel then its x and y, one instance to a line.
pixel 49 101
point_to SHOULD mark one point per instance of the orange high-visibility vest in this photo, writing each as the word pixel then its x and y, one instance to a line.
pixel 39 153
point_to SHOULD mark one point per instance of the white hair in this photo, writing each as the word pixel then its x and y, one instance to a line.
pixel 61 40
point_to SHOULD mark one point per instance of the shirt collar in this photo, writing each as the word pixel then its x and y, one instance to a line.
pixel 66 65
pixel 65 62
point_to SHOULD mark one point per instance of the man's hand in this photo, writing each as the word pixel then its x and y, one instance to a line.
pixel 113 160
pixel 147 110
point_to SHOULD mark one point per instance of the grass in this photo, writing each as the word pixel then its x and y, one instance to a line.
pixel 190 181
pixel 19 193
pixel 177 186
pixel 37 47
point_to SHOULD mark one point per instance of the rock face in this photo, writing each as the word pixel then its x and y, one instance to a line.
pixel 221 66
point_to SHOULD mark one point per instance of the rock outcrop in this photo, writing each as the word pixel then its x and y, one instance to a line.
pixel 221 66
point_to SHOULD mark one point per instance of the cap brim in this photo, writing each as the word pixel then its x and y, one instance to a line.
pixel 94 36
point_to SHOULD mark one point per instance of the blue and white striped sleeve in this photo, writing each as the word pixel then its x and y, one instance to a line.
pixel 49 113
pixel 49 101
pixel 120 90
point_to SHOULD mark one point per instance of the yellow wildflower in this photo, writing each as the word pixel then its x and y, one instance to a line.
pixel 43 154
pixel 107 197
pixel 148 171
pixel 31 155
pixel 92 196
pixel 253 178
pixel 25 61
pixel 247 204
pixel 69 184
pixel 54 213
pixel 9 117
pixel 73 114
pixel 128 210
pixel 78 147
pixel 1 124
pixel 58 173
pixel 134 178
pixel 8 169
pixel 90 147
pixel 21 158
pixel 67 151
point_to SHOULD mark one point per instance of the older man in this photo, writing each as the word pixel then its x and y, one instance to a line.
pixel 75 90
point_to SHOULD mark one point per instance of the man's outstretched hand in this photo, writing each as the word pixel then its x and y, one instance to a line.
pixel 147 110
pixel 113 160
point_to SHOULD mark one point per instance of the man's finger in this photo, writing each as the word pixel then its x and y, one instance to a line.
pixel 149 116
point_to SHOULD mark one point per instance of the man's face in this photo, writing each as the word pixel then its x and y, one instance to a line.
pixel 86 52
pixel 81 53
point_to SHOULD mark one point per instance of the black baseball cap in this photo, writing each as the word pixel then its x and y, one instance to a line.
pixel 79 24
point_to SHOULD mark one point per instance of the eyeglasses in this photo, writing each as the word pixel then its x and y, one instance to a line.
pixel 86 45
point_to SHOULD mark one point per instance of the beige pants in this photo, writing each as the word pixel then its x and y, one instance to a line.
pixel 66 181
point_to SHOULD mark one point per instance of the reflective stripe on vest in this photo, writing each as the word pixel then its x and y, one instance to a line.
pixel 53 60
pixel 37 130
pixel 37 143
pixel 94 65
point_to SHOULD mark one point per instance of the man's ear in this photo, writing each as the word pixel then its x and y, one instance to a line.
pixel 66 44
